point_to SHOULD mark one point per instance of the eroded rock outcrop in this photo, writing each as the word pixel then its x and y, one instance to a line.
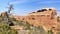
pixel 45 17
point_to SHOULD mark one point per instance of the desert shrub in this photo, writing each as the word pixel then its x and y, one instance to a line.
pixel 12 32
pixel 58 32
pixel 20 23
pixel 27 25
pixel 16 22
pixel 12 19
pixel 50 31
pixel 5 29
pixel 37 30
pixel 58 19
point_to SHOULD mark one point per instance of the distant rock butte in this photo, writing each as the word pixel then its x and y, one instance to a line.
pixel 47 18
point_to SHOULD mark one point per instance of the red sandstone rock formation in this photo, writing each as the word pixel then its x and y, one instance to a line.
pixel 47 18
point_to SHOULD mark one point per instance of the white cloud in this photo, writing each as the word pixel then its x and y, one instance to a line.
pixel 58 13
pixel 45 2
pixel 22 1
pixel 19 2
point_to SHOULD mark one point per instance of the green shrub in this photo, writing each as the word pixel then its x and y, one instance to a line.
pixel 12 32
pixel 5 29
pixel 50 31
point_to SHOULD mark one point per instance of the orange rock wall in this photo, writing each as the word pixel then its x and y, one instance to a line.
pixel 47 19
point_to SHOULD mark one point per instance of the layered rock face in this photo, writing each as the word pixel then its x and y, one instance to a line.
pixel 47 18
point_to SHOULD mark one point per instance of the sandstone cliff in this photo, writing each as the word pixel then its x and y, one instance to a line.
pixel 47 18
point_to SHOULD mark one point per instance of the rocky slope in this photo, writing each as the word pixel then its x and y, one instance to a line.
pixel 47 18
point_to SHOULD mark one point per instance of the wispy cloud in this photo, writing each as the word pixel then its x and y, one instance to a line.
pixel 47 2
pixel 22 1
pixel 19 2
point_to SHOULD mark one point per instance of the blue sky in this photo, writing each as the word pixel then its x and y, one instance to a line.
pixel 22 7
